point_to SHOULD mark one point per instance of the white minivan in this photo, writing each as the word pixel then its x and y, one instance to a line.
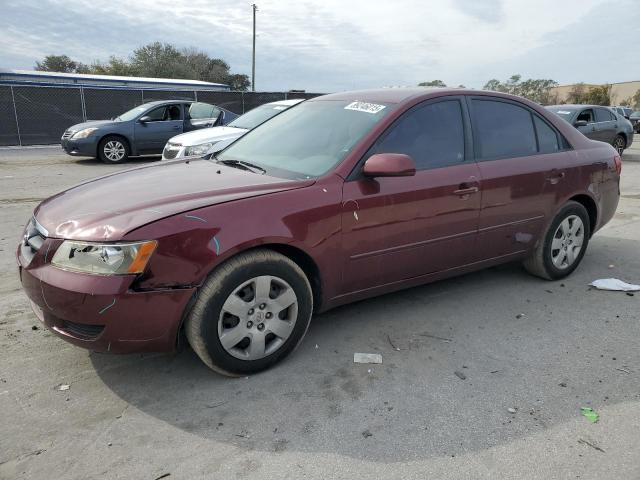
pixel 200 142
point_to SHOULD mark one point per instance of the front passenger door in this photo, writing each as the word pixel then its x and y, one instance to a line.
pixel 607 124
pixel 397 228
pixel 164 122
pixel 590 130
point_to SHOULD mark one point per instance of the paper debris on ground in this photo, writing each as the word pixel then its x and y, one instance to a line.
pixel 590 414
pixel 614 284
pixel 62 387
pixel 367 358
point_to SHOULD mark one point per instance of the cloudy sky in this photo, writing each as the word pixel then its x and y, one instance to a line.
pixel 333 45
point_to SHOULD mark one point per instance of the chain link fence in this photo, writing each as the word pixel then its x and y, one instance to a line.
pixel 38 115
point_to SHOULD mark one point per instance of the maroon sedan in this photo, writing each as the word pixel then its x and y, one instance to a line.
pixel 340 198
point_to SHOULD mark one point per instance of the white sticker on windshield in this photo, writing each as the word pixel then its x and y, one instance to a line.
pixel 564 112
pixel 364 107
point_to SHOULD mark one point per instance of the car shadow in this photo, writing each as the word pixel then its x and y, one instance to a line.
pixel 457 355
pixel 92 161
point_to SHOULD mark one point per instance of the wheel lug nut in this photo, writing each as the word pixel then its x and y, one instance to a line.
pixel 249 324
pixel 269 315
pixel 261 307
pixel 251 311
pixel 261 326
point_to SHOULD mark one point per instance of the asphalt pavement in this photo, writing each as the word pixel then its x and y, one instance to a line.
pixel 483 376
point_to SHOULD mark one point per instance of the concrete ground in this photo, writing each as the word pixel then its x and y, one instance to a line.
pixel 542 349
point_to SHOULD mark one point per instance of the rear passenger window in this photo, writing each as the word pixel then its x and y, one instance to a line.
pixel 432 135
pixel 604 115
pixel 547 138
pixel 502 130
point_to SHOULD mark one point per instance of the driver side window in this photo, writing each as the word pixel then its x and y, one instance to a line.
pixel 157 114
pixel 586 115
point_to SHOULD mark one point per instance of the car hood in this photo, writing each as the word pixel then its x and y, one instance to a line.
pixel 91 123
pixel 206 135
pixel 109 207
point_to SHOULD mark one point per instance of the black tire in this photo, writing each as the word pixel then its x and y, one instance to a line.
pixel 619 143
pixel 202 323
pixel 540 263
pixel 109 145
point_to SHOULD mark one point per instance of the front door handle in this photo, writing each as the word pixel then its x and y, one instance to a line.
pixel 176 127
pixel 465 189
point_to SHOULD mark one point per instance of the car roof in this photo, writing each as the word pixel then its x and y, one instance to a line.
pixel 286 103
pixel 385 95
pixel 164 102
pixel 570 106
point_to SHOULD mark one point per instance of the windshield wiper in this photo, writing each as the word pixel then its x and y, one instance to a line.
pixel 243 165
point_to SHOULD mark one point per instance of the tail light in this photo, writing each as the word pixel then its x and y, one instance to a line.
pixel 618 164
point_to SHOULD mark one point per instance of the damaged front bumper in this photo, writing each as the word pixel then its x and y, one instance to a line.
pixel 100 313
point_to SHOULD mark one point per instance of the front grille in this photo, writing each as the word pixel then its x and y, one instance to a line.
pixel 67 134
pixel 82 330
pixel 170 152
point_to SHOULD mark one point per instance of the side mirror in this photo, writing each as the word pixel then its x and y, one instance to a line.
pixel 389 165
pixel 580 123
pixel 145 119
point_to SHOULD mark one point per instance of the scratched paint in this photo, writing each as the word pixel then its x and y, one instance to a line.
pixel 152 210
pixel 45 298
pixel 46 255
pixel 355 215
pixel 107 307
pixel 193 217
pixel 216 244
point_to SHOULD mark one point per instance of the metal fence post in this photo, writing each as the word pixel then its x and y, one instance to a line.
pixel 142 93
pixel 242 98
pixel 195 95
pixel 84 107
pixel 15 113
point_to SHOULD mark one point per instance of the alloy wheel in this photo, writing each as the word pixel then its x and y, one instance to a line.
pixel 567 242
pixel 114 150
pixel 258 317
pixel 619 144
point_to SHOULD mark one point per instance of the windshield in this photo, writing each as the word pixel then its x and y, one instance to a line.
pixel 566 114
pixel 131 114
pixel 255 117
pixel 309 140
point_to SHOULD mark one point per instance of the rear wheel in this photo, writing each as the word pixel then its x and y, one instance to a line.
pixel 251 312
pixel 560 251
pixel 619 143
pixel 113 149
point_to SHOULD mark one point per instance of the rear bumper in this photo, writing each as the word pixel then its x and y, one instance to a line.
pixel 85 147
pixel 102 313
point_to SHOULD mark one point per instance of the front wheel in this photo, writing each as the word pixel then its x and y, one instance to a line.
pixel 251 312
pixel 560 251
pixel 113 149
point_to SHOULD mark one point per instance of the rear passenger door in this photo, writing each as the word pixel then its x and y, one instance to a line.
pixel 607 124
pixel 522 161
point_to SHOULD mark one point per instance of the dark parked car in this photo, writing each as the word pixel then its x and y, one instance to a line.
pixel 341 198
pixel 142 130
pixel 634 118
pixel 623 111
pixel 598 123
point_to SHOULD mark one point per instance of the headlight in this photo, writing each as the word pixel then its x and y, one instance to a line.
pixel 84 133
pixel 104 258
pixel 198 149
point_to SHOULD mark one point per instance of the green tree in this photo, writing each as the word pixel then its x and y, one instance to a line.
pixel 537 90
pixel 433 83
pixel 115 66
pixel 577 94
pixel 599 95
pixel 160 60
pixel 239 82
pixel 635 100
pixel 60 63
